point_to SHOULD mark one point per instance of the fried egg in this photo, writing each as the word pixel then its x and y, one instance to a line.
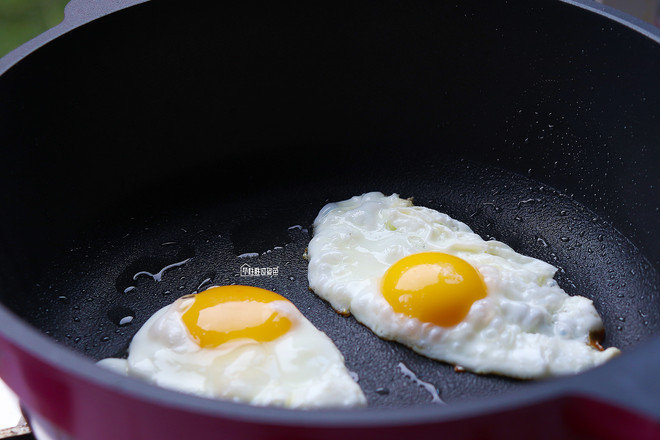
pixel 419 277
pixel 242 344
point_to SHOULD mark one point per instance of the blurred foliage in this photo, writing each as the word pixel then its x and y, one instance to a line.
pixel 22 20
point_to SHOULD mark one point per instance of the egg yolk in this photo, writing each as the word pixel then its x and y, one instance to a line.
pixel 434 287
pixel 225 313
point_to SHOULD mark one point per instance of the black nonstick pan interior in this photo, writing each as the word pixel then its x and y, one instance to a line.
pixel 115 274
pixel 195 140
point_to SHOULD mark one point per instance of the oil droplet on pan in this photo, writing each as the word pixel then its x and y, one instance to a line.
pixel 121 315
pixel 159 275
pixel 249 255
pixel 435 397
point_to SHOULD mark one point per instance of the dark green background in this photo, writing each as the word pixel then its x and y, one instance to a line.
pixel 22 20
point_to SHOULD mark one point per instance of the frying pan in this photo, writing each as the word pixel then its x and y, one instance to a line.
pixel 161 139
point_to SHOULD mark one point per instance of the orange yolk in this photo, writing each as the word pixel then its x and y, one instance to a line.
pixel 433 287
pixel 225 313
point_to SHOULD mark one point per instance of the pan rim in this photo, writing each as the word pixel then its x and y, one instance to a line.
pixel 627 20
pixel 74 20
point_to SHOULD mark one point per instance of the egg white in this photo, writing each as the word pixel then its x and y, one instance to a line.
pixel 300 369
pixel 526 326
